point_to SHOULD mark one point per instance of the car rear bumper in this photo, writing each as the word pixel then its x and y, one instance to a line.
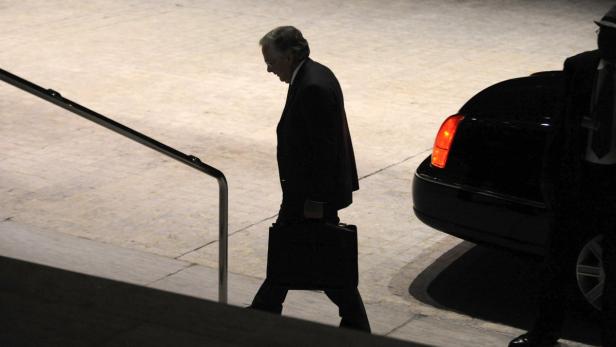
pixel 479 216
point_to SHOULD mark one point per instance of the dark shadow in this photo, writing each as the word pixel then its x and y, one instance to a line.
pixel 45 306
pixel 498 286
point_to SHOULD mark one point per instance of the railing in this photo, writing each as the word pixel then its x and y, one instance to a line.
pixel 190 160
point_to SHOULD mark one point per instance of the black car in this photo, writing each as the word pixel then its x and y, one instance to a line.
pixel 482 181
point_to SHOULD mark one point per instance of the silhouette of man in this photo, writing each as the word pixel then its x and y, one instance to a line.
pixel 315 156
pixel 580 187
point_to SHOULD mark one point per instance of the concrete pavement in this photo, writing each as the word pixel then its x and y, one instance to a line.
pixel 190 74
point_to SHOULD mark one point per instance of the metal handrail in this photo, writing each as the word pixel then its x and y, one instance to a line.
pixel 190 160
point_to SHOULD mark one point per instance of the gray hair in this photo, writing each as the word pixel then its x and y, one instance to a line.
pixel 287 39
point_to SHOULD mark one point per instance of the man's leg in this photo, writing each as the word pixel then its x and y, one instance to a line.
pixel 607 217
pixel 269 298
pixel 608 313
pixel 350 307
pixel 558 278
pixel 350 304
pixel 602 203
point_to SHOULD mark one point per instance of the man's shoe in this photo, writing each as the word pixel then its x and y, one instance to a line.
pixel 534 340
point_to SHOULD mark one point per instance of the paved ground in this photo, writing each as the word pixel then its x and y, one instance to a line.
pixel 190 74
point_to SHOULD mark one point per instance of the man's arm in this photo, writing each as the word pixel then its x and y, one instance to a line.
pixel 320 112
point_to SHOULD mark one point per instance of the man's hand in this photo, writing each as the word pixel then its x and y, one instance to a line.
pixel 313 209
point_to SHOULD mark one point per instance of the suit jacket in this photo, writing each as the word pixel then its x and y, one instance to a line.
pixel 565 151
pixel 314 152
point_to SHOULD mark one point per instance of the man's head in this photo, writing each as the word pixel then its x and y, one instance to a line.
pixel 607 35
pixel 283 48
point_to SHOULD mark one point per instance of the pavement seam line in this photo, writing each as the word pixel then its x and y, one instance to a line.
pixel 395 164
pixel 171 274
pixel 231 234
pixel 413 317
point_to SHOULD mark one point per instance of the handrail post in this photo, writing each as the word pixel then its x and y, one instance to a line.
pixel 223 237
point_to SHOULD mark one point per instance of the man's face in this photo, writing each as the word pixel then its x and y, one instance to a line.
pixel 606 41
pixel 277 63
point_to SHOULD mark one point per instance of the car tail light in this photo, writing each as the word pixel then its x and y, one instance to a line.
pixel 443 141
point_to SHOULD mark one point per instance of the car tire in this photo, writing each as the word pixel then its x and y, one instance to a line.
pixel 590 272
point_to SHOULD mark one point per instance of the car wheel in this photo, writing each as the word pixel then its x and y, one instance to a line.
pixel 590 272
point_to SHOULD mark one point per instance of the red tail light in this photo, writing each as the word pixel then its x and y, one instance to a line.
pixel 443 141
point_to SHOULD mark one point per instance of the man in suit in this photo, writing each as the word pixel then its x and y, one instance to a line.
pixel 315 156
pixel 579 187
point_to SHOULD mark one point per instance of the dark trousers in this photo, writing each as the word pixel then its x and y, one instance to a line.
pixel 350 305
pixel 574 222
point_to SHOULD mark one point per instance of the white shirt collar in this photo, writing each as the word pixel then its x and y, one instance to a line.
pixel 601 64
pixel 604 62
pixel 296 70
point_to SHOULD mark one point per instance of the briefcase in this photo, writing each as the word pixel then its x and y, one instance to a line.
pixel 312 255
